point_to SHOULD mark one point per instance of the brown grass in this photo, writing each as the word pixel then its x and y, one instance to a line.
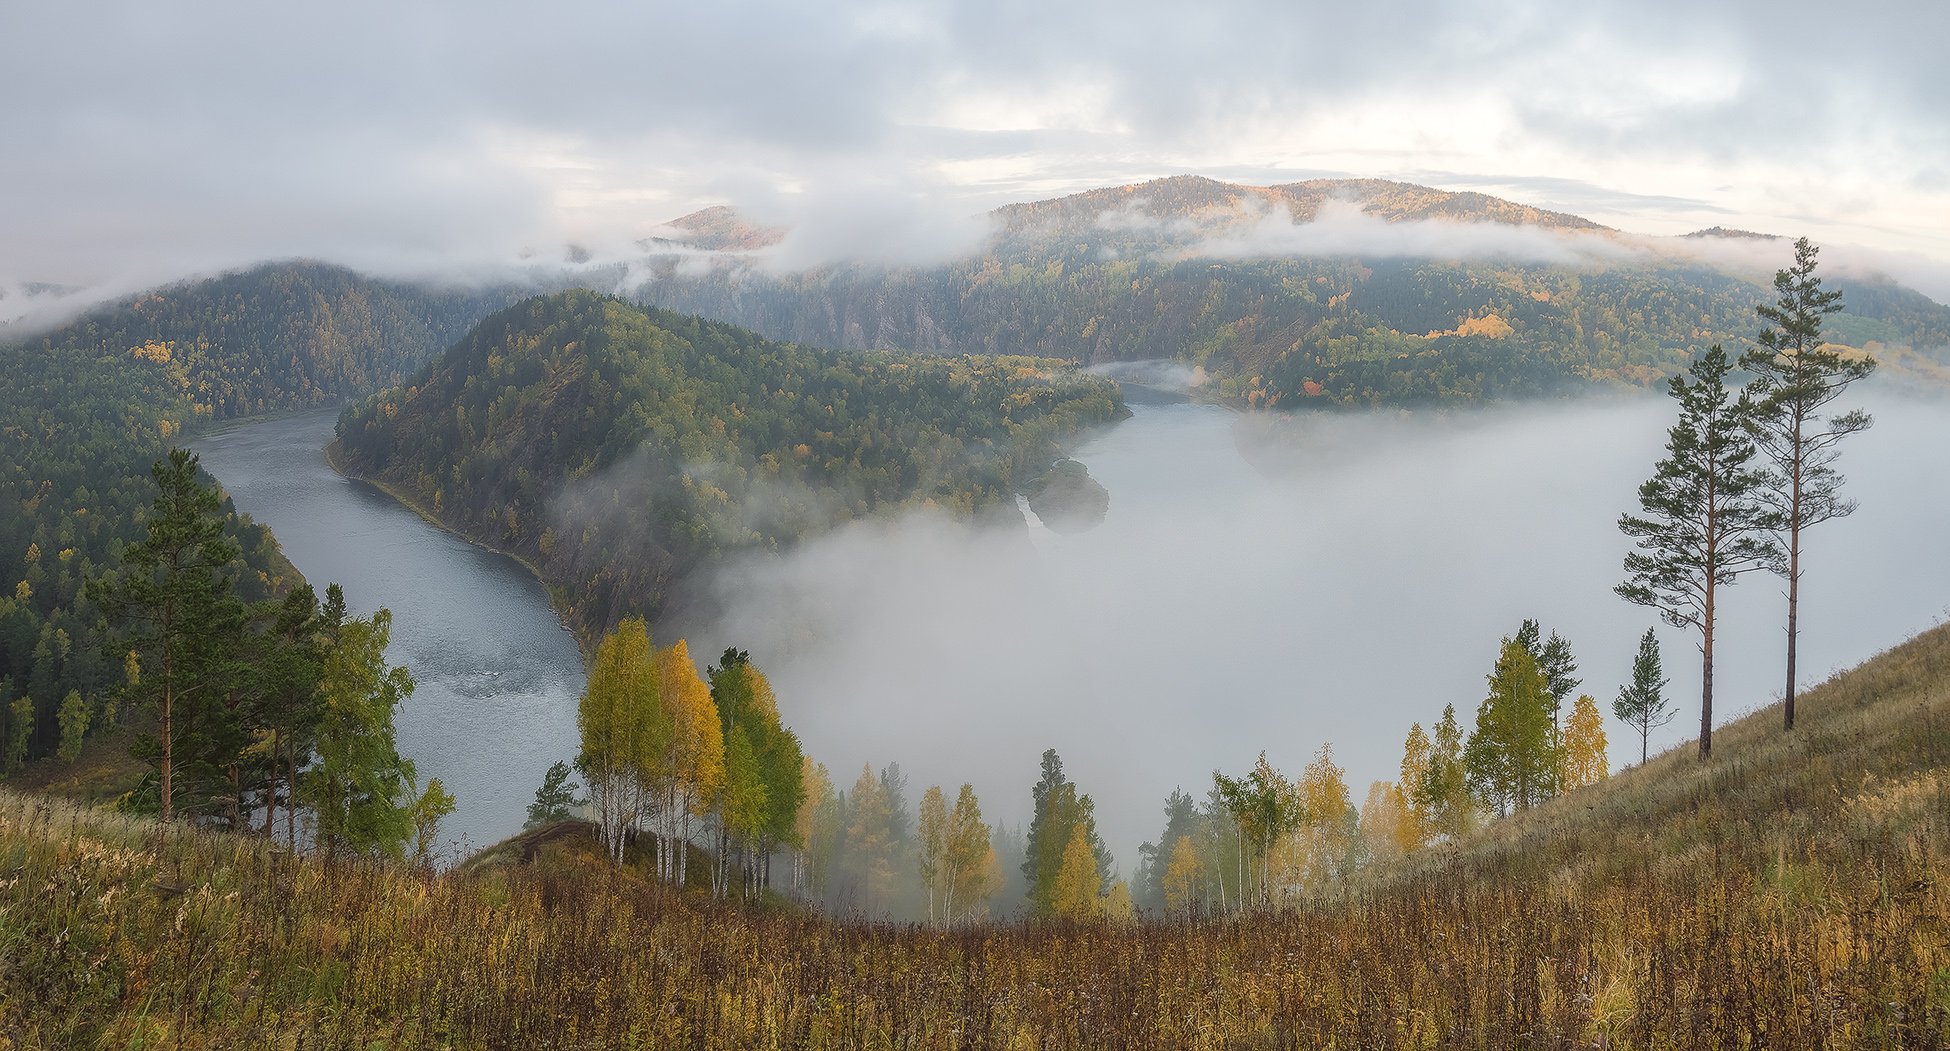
pixel 1788 894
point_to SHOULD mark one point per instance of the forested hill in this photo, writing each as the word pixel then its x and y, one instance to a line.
pixel 278 336
pixel 1311 294
pixel 619 449
pixel 86 409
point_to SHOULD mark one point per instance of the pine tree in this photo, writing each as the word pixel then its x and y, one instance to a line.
pixel 1796 375
pixel 1705 522
pixel 556 800
pixel 1060 809
pixel 1641 704
pixel 1584 761
pixel 177 599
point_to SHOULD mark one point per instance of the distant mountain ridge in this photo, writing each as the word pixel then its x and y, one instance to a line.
pixel 1330 292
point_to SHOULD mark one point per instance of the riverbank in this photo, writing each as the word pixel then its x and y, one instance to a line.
pixel 496 674
pixel 557 597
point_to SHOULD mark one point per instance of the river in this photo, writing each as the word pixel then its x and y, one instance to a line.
pixel 1333 585
pixel 496 678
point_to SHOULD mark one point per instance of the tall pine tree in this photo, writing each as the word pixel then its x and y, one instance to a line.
pixel 1705 521
pixel 1795 376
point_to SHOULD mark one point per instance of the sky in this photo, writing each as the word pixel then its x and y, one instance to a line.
pixel 146 141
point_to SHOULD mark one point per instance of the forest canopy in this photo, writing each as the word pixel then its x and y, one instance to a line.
pixel 619 448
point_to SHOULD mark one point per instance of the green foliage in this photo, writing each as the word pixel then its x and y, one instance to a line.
pixel 87 408
pixel 1444 789
pixel 1512 758
pixel 1642 703
pixel 1060 814
pixel 177 602
pixel 359 788
pixel 74 716
pixel 1294 332
pixel 20 727
pixel 1704 520
pixel 556 800
pixel 621 449
pixel 432 805
pixel 1265 806
pixel 1795 376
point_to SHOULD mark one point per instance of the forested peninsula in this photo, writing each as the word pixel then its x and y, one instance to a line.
pixel 620 449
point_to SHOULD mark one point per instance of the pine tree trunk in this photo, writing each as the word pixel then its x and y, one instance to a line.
pixel 271 792
pixel 168 739
pixel 235 813
pixel 1794 609
pixel 1706 677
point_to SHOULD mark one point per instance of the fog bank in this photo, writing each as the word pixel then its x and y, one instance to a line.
pixel 1355 581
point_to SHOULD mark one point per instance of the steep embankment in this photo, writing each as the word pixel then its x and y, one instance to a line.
pixel 620 450
pixel 1788 894
pixel 1329 292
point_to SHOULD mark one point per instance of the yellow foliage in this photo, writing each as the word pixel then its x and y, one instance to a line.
pixel 695 760
pixel 1489 326
pixel 158 352
pixel 1584 746
pixel 1074 894
pixel 23 591
pixel 1182 877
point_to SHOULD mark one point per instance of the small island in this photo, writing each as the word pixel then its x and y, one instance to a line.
pixel 1067 499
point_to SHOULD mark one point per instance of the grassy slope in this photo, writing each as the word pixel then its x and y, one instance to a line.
pixel 1787 894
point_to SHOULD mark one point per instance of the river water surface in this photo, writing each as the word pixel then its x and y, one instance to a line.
pixel 496 678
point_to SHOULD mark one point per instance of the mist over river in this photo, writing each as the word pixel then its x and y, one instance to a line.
pixel 1335 580
pixel 495 677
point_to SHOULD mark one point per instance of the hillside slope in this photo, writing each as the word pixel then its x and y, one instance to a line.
pixel 1312 294
pixel 1790 894
pixel 85 409
pixel 621 450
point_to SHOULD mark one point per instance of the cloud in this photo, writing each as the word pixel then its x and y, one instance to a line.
pixel 196 137
pixel 1343 229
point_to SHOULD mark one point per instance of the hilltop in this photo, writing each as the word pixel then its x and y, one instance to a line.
pixel 1789 892
pixel 1332 292
pixel 621 450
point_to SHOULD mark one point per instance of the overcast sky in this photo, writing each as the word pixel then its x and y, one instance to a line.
pixel 145 138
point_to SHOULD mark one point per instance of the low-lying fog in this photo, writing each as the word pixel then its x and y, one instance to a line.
pixel 1333 583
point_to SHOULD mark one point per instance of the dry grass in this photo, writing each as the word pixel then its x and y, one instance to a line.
pixel 1789 894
